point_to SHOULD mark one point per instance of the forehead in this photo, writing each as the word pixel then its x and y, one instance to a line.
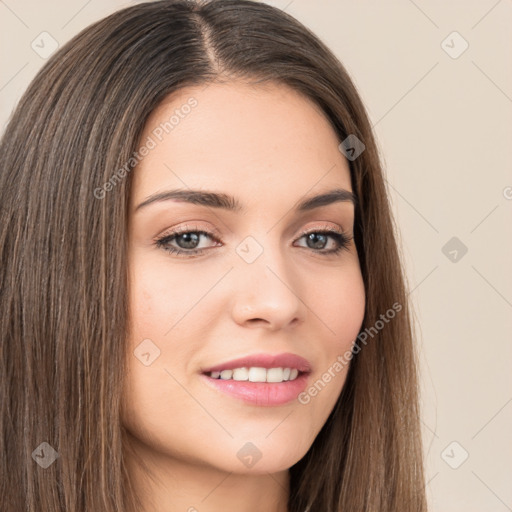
pixel 254 140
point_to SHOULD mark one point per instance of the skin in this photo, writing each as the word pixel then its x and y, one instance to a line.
pixel 270 147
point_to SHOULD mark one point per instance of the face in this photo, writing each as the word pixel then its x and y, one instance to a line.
pixel 262 280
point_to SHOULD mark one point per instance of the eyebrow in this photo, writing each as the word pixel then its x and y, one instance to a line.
pixel 226 202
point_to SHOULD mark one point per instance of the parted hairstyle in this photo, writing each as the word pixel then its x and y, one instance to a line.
pixel 64 280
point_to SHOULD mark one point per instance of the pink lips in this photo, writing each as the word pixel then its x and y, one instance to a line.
pixel 262 393
pixel 286 360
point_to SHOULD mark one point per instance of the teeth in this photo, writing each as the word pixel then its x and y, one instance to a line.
pixel 240 374
pixel 255 374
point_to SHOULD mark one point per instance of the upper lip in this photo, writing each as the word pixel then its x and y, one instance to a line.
pixel 286 360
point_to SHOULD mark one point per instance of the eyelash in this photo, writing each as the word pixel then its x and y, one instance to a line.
pixel 341 238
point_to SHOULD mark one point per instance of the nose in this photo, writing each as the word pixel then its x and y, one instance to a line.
pixel 267 293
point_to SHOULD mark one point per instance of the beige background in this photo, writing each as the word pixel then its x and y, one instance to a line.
pixel 445 129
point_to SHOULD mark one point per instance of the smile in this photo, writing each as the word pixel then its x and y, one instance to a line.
pixel 255 374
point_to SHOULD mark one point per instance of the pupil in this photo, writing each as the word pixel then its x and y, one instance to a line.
pixel 186 237
pixel 314 237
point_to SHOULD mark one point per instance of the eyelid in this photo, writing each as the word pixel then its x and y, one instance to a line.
pixel 215 233
pixel 325 226
pixel 211 231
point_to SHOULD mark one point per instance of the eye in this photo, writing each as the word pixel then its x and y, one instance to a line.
pixel 188 239
pixel 318 239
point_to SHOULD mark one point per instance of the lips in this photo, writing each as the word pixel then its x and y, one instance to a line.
pixel 260 394
pixel 285 360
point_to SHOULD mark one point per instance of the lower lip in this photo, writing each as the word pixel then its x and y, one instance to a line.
pixel 266 394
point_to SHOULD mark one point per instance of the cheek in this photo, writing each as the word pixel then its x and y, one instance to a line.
pixel 159 296
pixel 339 306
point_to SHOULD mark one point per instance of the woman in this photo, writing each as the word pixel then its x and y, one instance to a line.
pixel 203 306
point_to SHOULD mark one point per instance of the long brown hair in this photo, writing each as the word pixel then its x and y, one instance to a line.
pixel 64 282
